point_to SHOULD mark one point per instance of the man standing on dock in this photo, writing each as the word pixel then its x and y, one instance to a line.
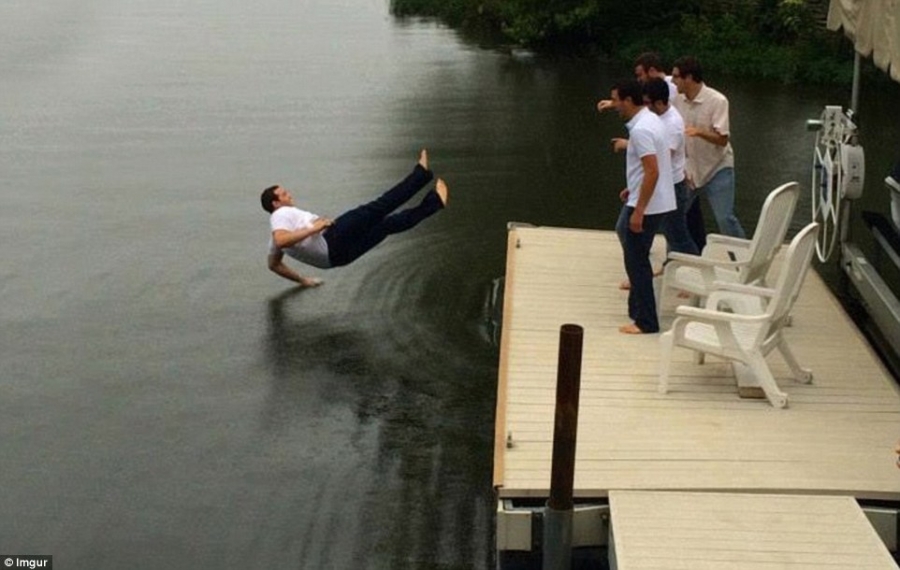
pixel 710 159
pixel 648 197
pixel 678 238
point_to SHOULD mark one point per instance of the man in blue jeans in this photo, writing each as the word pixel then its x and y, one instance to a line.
pixel 649 197
pixel 710 159
pixel 325 243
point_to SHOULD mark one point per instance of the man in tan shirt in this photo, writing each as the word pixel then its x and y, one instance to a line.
pixel 710 159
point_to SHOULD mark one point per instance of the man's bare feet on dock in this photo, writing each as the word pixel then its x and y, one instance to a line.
pixel 423 158
pixel 440 187
pixel 630 328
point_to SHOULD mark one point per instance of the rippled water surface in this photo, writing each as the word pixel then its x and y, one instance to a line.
pixel 165 401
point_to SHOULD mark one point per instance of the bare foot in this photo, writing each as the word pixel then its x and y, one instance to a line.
pixel 423 158
pixel 630 328
pixel 310 282
pixel 442 191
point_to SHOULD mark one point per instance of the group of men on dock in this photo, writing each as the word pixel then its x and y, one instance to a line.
pixel 677 149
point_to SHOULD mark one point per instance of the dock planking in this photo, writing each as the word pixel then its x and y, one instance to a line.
pixel 836 437
pixel 655 530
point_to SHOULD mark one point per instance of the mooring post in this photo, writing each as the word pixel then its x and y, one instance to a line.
pixel 558 512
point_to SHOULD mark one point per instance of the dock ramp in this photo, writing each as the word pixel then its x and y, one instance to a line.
pixel 715 531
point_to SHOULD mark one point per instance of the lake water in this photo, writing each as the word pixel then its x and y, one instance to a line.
pixel 165 401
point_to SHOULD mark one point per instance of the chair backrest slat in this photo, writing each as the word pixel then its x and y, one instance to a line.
pixel 771 229
pixel 796 264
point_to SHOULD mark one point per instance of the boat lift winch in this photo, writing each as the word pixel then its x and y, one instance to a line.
pixel 838 174
pixel 838 177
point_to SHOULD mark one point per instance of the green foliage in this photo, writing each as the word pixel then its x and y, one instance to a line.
pixel 773 39
pixel 792 19
pixel 779 39
pixel 543 22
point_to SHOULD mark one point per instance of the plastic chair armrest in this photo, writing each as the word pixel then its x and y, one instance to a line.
pixel 744 289
pixel 720 239
pixel 700 261
pixel 710 316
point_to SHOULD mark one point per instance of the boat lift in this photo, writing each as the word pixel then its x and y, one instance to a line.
pixel 838 162
pixel 838 177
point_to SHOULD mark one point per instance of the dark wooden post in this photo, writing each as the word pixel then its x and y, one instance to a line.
pixel 558 513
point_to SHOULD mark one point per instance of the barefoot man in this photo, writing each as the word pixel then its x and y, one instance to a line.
pixel 648 199
pixel 325 243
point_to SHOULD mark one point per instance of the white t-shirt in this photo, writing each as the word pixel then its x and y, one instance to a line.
pixel 673 90
pixel 647 135
pixel 675 131
pixel 313 250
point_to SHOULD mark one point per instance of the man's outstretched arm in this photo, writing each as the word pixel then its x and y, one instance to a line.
pixel 277 266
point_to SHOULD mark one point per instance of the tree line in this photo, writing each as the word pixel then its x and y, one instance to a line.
pixel 777 39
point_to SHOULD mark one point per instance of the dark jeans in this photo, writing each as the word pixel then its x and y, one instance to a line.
pixel 675 228
pixel 359 230
pixel 636 250
pixel 696 225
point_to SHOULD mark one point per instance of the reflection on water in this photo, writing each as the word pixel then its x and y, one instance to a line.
pixel 429 404
pixel 165 398
pixel 493 311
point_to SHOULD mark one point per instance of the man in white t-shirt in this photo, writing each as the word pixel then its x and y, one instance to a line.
pixel 326 243
pixel 656 96
pixel 648 197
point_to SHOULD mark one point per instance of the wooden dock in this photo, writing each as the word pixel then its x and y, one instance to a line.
pixel 712 531
pixel 836 437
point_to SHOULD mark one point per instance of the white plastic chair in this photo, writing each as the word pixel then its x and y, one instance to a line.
pixel 749 260
pixel 746 339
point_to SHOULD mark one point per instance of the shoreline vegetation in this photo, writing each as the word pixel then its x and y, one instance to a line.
pixel 784 40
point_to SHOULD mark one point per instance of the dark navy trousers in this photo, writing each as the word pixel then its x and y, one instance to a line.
pixel 675 227
pixel 359 230
pixel 636 250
